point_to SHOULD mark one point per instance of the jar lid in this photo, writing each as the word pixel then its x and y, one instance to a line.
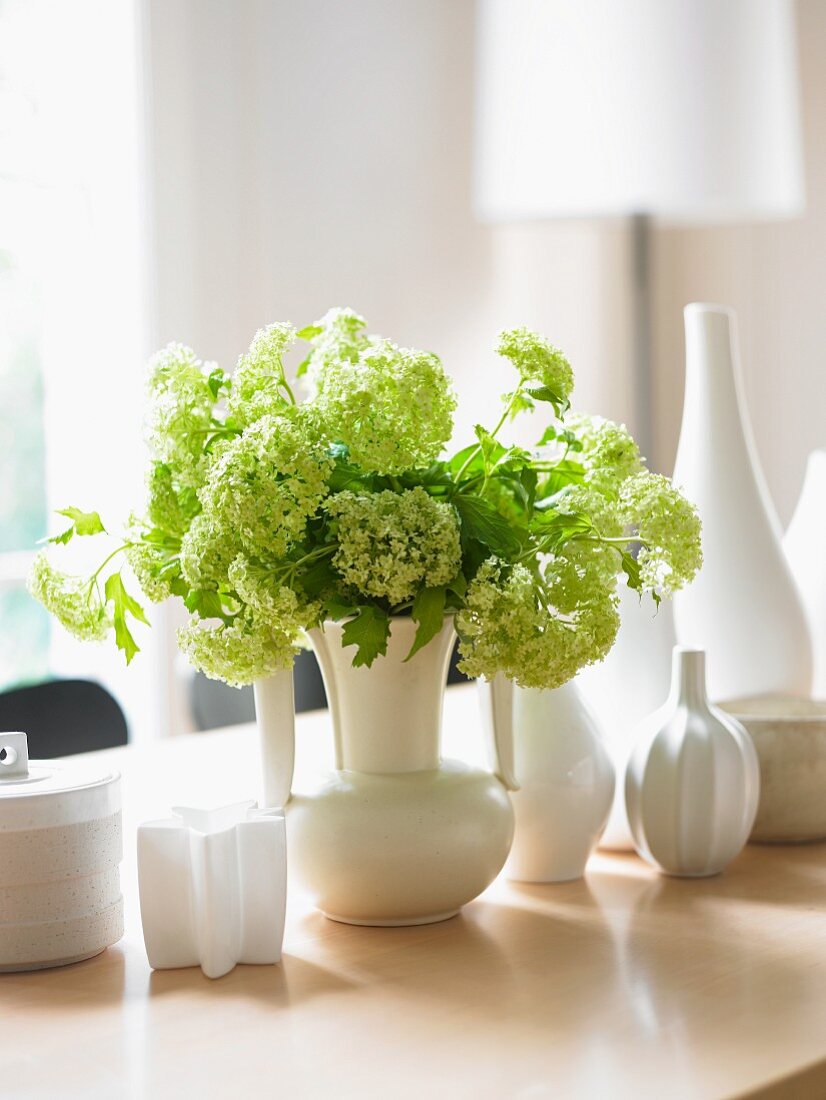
pixel 42 793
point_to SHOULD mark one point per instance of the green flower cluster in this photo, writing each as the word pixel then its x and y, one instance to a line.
pixel 338 337
pixel 539 363
pixel 239 652
pixel 390 545
pixel 608 452
pixel 392 407
pixel 667 529
pixel 259 385
pixel 74 601
pixel 268 517
pixel 260 489
pixel 503 627
pixel 180 412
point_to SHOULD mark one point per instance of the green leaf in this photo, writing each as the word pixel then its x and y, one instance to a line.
pixel 309 332
pixel 83 523
pixel 345 476
pixel 519 402
pixel 554 529
pixel 482 522
pixel 545 393
pixel 318 577
pixel 458 586
pixel 302 367
pixel 63 537
pixel 369 631
pixel 217 381
pixel 123 605
pixel 476 466
pixel 336 608
pixel 631 569
pixel 429 612
pixel 207 603
pixel 492 450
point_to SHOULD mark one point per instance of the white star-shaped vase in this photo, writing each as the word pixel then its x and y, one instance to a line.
pixel 213 887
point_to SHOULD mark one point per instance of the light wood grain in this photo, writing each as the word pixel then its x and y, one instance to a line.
pixel 624 984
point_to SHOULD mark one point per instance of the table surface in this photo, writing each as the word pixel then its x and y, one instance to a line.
pixel 623 984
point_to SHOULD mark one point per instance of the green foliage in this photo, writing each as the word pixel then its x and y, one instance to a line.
pixel 268 517
pixel 83 523
pixel 369 632
pixel 428 612
pixel 122 605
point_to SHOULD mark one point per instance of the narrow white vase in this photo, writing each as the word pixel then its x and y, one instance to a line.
pixel 693 780
pixel 743 608
pixel 630 683
pixel 564 774
pixel 805 546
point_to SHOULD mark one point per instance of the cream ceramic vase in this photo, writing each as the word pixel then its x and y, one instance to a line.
pixel 628 685
pixel 743 608
pixel 693 780
pixel 564 773
pixel 395 835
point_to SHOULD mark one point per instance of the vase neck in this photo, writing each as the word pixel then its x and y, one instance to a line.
pixel 386 718
pixel 688 678
pixel 713 385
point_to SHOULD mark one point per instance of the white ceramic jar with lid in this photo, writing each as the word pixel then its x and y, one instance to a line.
pixel 60 853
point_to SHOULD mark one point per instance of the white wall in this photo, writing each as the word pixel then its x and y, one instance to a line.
pixel 319 154
pixel 775 277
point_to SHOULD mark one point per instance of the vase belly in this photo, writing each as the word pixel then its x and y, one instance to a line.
pixel 394 849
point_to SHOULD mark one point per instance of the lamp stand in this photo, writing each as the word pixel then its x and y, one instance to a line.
pixel 643 374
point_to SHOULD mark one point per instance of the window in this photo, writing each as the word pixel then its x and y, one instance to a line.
pixel 72 322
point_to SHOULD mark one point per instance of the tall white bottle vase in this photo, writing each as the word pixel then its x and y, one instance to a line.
pixel 743 608
pixel 566 784
pixel 627 686
pixel 805 546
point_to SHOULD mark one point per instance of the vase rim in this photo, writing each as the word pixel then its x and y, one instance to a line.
pixel 393 619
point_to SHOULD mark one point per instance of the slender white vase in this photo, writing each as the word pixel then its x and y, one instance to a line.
pixel 630 683
pixel 693 780
pixel 743 608
pixel 564 774
pixel 805 546
pixel 395 835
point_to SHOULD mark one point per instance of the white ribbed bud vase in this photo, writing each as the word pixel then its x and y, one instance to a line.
pixel 693 780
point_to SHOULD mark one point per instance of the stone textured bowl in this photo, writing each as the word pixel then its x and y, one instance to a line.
pixel 789 734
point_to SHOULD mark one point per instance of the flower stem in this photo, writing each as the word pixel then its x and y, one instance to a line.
pixel 477 449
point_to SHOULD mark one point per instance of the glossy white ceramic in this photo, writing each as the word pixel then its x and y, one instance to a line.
pixel 213 887
pixel 565 779
pixel 693 780
pixel 625 687
pixel 394 835
pixel 743 608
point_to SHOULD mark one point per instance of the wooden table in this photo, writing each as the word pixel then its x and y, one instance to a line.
pixel 624 984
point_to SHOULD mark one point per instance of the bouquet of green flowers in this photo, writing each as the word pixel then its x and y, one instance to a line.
pixel 268 516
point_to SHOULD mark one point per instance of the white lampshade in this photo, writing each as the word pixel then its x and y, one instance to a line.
pixel 686 110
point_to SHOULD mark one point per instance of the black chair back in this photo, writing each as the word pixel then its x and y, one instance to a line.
pixel 63 717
